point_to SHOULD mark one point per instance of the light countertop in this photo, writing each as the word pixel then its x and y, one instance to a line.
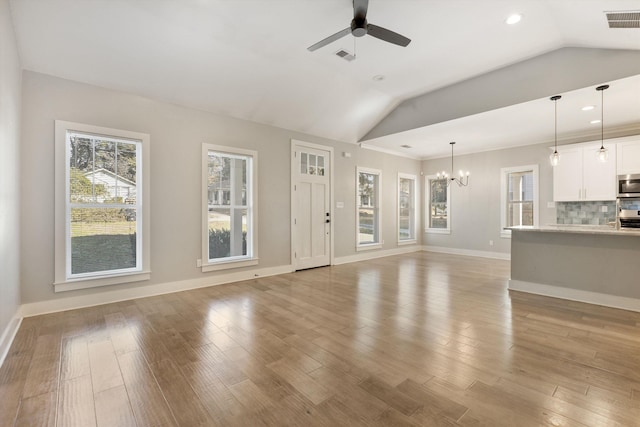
pixel 582 229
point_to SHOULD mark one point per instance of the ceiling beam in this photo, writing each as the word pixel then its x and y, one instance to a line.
pixel 552 73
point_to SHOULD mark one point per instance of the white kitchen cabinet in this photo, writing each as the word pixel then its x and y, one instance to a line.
pixel 628 153
pixel 580 176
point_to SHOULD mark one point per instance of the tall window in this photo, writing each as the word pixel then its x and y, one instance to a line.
pixel 229 207
pixel 406 208
pixel 438 212
pixel 368 205
pixel 101 213
pixel 519 198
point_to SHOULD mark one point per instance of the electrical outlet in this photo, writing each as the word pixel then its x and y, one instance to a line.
pixel 605 208
pixel 551 205
pixel 198 263
pixel 490 242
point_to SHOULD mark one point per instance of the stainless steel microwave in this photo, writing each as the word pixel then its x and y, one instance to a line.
pixel 629 185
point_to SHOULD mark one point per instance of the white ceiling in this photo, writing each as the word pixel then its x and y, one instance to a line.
pixel 248 58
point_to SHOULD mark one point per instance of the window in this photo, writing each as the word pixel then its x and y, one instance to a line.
pixel 438 211
pixel 229 207
pixel 102 218
pixel 368 205
pixel 406 208
pixel 519 197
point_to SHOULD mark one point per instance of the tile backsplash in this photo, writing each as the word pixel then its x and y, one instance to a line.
pixel 589 213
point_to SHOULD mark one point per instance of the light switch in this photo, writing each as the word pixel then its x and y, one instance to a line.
pixel 605 208
pixel 551 205
pixel 339 205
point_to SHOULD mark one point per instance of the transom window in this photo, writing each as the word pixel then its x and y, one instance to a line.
pixel 229 206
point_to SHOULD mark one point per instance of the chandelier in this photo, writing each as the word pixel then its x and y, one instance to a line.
pixel 462 180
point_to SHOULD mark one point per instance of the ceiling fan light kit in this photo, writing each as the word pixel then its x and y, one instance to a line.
pixel 360 27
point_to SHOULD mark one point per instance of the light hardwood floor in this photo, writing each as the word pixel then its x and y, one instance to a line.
pixel 419 339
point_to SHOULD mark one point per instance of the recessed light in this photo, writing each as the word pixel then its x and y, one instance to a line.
pixel 514 19
pixel 588 107
pixel 378 78
pixel 595 122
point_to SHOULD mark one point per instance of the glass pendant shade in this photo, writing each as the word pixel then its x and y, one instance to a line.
pixel 603 154
pixel 554 158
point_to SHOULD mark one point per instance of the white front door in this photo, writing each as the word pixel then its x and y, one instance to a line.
pixel 311 206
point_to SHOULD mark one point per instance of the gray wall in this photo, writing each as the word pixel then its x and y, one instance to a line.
pixel 176 137
pixel 475 210
pixel 9 173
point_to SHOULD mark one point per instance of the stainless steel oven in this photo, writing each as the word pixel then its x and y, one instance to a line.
pixel 629 218
pixel 629 186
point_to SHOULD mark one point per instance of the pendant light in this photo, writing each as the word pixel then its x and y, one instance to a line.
pixel 603 153
pixel 462 181
pixel 554 158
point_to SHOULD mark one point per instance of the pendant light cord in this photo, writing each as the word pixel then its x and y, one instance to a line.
pixel 555 123
pixel 602 119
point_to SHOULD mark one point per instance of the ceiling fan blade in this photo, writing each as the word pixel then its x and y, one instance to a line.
pixel 387 35
pixel 330 39
pixel 360 9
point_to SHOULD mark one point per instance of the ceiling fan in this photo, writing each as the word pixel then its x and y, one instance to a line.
pixel 360 27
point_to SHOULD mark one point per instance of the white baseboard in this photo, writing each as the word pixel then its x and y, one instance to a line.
pixel 467 252
pixel 373 254
pixel 106 297
pixel 9 333
pixel 596 298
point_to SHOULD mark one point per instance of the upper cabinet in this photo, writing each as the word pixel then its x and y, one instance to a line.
pixel 580 176
pixel 629 155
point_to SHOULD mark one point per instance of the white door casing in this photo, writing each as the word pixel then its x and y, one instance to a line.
pixel 311 205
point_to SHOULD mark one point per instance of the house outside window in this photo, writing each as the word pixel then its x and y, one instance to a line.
pixel 229 207
pixel 519 197
pixel 368 208
pixel 406 208
pixel 438 208
pixel 102 218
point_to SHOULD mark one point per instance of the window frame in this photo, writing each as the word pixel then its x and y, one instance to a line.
pixel 427 213
pixel 63 279
pixel 414 214
pixel 377 210
pixel 252 206
pixel 504 173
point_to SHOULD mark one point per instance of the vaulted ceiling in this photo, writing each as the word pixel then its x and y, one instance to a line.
pixel 249 58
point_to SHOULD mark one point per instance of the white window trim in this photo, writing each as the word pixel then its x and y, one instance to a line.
pixel 427 198
pixel 414 205
pixel 252 201
pixel 62 249
pixel 503 196
pixel 378 244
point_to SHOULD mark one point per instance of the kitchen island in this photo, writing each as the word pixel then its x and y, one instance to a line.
pixel 594 264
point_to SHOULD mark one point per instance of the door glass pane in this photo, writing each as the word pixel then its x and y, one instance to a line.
pixel 321 165
pixel 303 163
pixel 312 164
pixel 102 239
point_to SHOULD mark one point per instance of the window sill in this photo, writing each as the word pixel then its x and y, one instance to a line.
pixel 368 247
pixel 94 282
pixel 407 242
pixel 437 231
pixel 225 265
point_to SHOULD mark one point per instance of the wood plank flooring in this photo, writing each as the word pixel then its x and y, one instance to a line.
pixel 418 339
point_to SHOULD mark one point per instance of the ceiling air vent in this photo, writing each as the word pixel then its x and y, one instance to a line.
pixel 406 146
pixel 347 56
pixel 624 19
